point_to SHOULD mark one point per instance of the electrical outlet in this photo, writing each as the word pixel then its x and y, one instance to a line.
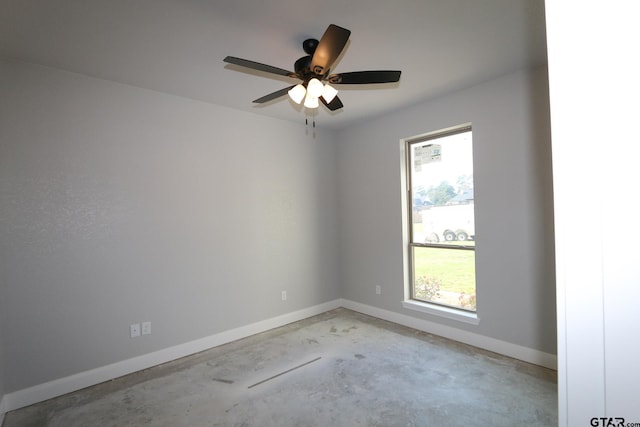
pixel 284 295
pixel 134 330
pixel 378 289
pixel 146 328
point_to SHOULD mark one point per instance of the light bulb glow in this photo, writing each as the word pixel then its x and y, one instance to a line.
pixel 297 93
pixel 328 93
pixel 311 101
pixel 315 88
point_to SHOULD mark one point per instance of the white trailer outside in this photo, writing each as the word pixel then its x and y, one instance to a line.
pixel 448 223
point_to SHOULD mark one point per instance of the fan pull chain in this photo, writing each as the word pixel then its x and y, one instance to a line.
pixel 313 123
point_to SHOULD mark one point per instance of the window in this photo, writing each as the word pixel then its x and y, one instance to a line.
pixel 441 219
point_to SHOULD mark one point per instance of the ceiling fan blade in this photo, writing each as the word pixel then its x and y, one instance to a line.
pixel 258 66
pixel 331 45
pixel 365 77
pixel 334 105
pixel 274 95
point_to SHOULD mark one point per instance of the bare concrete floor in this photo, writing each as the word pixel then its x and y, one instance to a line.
pixel 338 369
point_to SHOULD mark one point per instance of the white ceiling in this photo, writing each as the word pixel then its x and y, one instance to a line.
pixel 178 46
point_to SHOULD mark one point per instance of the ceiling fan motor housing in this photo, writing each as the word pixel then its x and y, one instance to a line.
pixel 310 45
pixel 303 66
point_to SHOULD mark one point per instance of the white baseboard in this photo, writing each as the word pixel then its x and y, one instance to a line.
pixel 51 389
pixel 42 392
pixel 3 410
pixel 519 352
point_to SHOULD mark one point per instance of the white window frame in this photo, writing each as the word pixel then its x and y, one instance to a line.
pixel 461 315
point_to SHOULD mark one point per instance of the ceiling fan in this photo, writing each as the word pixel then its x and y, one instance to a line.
pixel 313 69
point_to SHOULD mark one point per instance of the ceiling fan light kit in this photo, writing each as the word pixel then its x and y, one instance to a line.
pixel 311 101
pixel 314 69
pixel 314 90
pixel 329 92
pixel 297 93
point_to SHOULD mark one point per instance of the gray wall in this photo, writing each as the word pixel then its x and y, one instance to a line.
pixel 120 205
pixel 514 206
pixel 3 320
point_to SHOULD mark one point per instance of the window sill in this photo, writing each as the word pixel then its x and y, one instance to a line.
pixel 447 312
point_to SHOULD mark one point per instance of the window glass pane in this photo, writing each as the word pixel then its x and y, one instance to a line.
pixel 445 276
pixel 442 190
pixel 442 220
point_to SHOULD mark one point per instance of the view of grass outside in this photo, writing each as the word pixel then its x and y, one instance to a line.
pixel 445 276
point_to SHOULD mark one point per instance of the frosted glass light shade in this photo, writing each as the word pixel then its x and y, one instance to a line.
pixel 311 101
pixel 315 88
pixel 297 93
pixel 328 93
